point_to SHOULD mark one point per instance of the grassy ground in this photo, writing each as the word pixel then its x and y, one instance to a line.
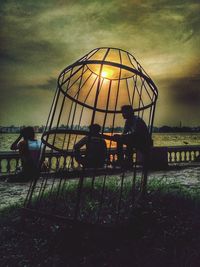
pixel 162 231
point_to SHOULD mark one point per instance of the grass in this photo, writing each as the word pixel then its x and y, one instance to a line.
pixel 97 203
pixel 162 231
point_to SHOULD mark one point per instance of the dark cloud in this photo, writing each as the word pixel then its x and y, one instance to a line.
pixel 40 38
pixel 179 100
pixel 50 85
pixel 186 92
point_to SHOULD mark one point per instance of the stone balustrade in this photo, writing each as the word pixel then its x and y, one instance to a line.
pixel 183 154
pixel 10 161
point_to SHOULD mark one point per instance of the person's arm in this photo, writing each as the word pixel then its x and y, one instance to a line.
pixel 117 137
pixel 105 149
pixel 14 145
pixel 80 143
pixel 125 131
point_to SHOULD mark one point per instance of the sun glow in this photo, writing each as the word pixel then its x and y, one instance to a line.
pixel 104 74
pixel 107 72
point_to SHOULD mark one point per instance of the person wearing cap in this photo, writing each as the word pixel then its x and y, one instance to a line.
pixel 135 135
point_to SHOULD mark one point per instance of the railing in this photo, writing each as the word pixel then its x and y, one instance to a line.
pixel 183 154
pixel 10 161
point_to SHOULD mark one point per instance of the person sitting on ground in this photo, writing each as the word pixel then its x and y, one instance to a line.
pixel 29 150
pixel 95 149
pixel 135 135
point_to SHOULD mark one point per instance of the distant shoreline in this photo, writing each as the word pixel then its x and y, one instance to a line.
pixel 118 129
pixel 155 131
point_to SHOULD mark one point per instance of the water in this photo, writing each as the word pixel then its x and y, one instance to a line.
pixel 160 139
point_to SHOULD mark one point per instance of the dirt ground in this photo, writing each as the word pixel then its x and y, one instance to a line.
pixel 12 193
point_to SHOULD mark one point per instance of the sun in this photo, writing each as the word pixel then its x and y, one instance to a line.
pixel 104 74
pixel 107 72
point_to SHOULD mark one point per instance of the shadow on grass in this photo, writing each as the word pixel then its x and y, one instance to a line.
pixel 163 230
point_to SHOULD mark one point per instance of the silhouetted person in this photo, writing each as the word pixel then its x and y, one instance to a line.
pixel 29 150
pixel 135 135
pixel 95 149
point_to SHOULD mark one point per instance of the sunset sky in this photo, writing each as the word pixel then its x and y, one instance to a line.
pixel 39 38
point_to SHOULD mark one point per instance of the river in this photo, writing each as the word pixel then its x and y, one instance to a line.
pixel 160 139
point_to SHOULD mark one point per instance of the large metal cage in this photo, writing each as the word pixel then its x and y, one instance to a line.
pixel 92 90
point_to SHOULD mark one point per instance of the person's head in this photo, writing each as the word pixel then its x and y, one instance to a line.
pixel 28 133
pixel 94 128
pixel 127 111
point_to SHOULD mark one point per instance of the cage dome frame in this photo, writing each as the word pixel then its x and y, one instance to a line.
pixel 92 90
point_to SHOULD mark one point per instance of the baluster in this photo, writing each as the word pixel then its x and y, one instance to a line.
pixel 175 156
pixel 0 165
pixel 13 165
pixel 17 164
pixel 20 163
pixel 194 155
pixel 72 162
pixel 8 166
pixel 111 157
pixel 178 156
pixel 53 163
pixel 68 163
pixel 50 162
pixel 135 157
pixel 65 162
pixel 60 162
pixel 184 156
pixel 190 155
pixel 170 156
pixel 181 156
pixel 197 153
pixel 57 162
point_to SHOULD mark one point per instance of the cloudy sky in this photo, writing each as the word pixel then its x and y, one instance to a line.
pixel 39 38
